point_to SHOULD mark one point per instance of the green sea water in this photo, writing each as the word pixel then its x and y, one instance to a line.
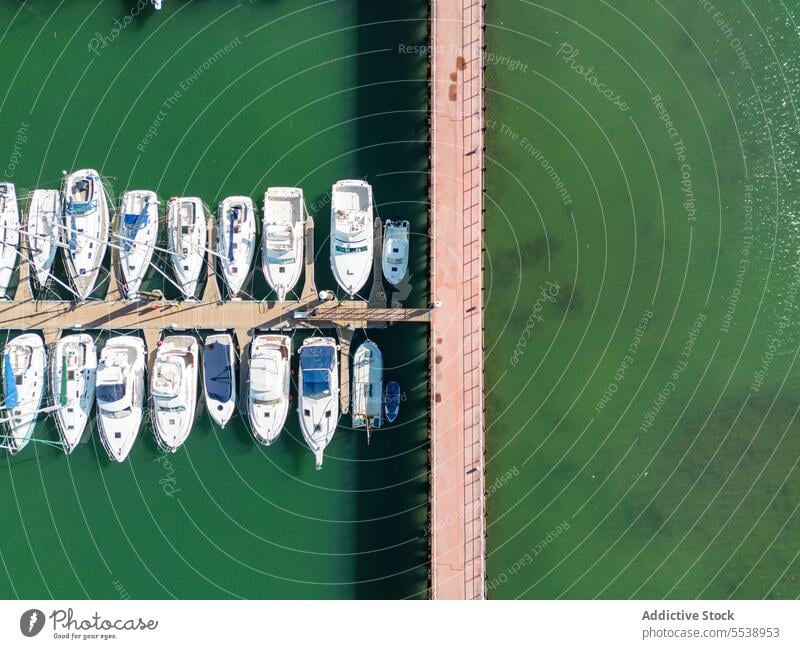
pixel 643 291
pixel 213 99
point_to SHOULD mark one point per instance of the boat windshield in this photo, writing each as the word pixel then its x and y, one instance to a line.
pixel 118 414
pixel 316 383
pixel 172 409
pixel 347 250
pixel 216 364
pixel 111 392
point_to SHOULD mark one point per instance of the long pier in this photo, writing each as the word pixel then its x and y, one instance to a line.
pixel 457 490
pixel 245 317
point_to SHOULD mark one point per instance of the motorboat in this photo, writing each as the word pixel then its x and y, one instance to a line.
pixel 282 240
pixel 268 393
pixel 351 234
pixel 367 388
pixel 120 394
pixel 9 235
pixel 24 366
pixel 395 251
pixel 236 240
pixel 73 373
pixel 318 403
pixel 391 401
pixel 137 234
pixel 173 388
pixel 219 377
pixel 187 231
pixel 44 218
pixel 85 229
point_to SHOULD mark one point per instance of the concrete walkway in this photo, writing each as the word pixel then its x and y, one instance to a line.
pixel 458 553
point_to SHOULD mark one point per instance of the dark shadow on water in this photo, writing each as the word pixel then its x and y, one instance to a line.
pixel 392 107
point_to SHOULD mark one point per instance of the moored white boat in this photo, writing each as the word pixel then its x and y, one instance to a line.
pixel 268 393
pixel 120 394
pixel 282 240
pixel 72 384
pixel 187 231
pixel 367 388
pixel 219 377
pixel 394 259
pixel 318 403
pixel 24 364
pixel 236 240
pixel 85 229
pixel 351 234
pixel 9 235
pixel 137 235
pixel 44 218
pixel 173 388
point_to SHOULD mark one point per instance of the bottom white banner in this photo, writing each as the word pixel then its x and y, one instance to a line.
pixel 398 624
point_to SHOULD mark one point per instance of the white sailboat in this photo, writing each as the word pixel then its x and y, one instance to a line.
pixel 174 390
pixel 395 251
pixel 187 230
pixel 236 240
pixel 24 366
pixel 137 231
pixel 282 242
pixel 72 384
pixel 219 377
pixel 9 235
pixel 268 394
pixel 120 394
pixel 44 218
pixel 318 403
pixel 367 388
pixel 85 229
pixel 351 234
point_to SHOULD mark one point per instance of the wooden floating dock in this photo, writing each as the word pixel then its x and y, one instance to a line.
pixel 210 312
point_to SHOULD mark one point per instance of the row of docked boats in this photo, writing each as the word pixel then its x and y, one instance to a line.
pixel 116 379
pixel 78 220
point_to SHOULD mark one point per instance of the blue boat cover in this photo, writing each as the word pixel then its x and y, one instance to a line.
pixel 81 208
pixel 73 226
pixel 11 395
pixel 315 364
pixel 391 400
pixel 217 371
pixel 132 223
pixel 234 216
pixel 316 358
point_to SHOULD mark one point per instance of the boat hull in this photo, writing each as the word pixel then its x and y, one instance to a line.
pixel 394 258
pixel 44 216
pixel 119 422
pixel 219 378
pixel 136 237
pixel 282 244
pixel 318 402
pixel 351 239
pixel 9 235
pixel 236 241
pixel 187 231
pixel 25 358
pixel 173 413
pixel 268 394
pixel 74 394
pixel 392 401
pixel 85 229
pixel 367 389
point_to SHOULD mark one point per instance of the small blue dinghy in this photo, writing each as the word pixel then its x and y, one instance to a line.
pixel 391 401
